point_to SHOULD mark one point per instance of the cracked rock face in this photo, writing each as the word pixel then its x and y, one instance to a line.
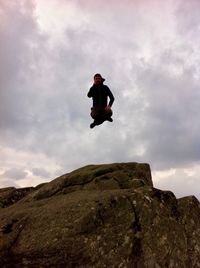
pixel 100 216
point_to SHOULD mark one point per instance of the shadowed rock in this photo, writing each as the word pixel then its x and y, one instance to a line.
pixel 11 195
pixel 101 216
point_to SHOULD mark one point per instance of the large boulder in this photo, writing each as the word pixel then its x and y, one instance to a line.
pixel 101 216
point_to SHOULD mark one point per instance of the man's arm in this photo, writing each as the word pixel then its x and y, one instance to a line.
pixel 110 95
pixel 90 93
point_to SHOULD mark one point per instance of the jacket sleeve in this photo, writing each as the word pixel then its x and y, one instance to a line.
pixel 110 95
pixel 90 93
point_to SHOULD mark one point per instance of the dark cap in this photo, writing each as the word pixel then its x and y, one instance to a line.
pixel 98 75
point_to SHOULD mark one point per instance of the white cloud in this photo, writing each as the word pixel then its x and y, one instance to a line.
pixel 25 168
pixel 180 181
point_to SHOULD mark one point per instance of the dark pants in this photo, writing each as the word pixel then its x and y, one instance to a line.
pixel 100 114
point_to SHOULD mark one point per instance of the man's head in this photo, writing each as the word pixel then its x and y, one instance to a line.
pixel 98 79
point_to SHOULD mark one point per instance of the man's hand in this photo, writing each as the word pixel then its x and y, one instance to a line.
pixel 108 108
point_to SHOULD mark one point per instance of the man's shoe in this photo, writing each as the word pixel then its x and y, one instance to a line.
pixel 110 119
pixel 92 125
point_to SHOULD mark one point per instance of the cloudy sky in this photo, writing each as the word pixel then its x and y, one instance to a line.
pixel 148 51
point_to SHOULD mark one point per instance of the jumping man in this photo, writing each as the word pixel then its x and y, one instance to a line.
pixel 99 92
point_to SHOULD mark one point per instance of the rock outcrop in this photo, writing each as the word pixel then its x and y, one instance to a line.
pixel 99 216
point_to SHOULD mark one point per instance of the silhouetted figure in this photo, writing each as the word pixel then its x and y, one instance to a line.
pixel 99 92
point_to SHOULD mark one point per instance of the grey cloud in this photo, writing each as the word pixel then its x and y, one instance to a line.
pixel 14 174
pixel 171 116
pixel 41 172
pixel 188 18
pixel 19 39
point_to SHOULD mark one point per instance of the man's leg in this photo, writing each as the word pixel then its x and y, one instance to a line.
pixel 107 114
pixel 96 114
pixel 100 115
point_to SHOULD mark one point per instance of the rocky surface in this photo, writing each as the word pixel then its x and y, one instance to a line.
pixel 11 195
pixel 99 216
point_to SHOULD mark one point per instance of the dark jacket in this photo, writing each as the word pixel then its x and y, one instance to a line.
pixel 100 94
